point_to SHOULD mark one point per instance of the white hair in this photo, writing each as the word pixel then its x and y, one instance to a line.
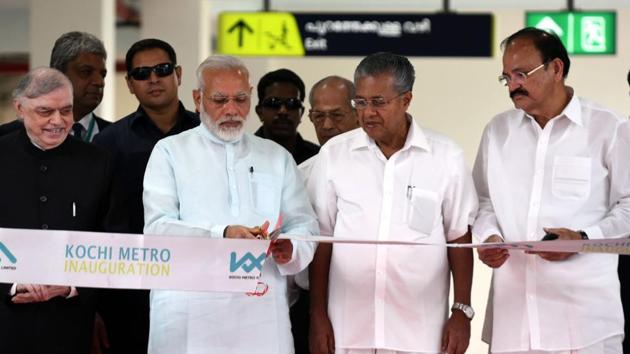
pixel 219 62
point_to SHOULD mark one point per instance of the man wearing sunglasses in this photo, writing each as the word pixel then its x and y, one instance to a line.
pixel 153 76
pixel 280 108
pixel 81 57
pixel 556 164
pixel 218 181
pixel 390 180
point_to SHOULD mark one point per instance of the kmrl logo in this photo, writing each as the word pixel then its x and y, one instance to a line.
pixel 4 250
pixel 248 262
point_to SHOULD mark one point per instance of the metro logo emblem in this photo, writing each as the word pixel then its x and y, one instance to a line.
pixel 248 262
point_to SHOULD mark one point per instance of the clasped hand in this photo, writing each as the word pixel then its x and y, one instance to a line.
pixel 495 257
pixel 28 293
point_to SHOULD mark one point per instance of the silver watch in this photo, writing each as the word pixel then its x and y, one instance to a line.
pixel 466 309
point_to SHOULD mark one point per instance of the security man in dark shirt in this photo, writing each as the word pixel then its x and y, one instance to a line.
pixel 280 109
pixel 153 76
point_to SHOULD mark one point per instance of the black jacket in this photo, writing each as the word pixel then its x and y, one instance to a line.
pixel 37 191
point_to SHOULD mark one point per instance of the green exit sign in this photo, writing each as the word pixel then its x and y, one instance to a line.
pixel 590 32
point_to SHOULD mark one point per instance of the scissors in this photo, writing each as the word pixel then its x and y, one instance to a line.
pixel 274 234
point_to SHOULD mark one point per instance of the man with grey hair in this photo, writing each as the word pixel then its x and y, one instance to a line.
pixel 218 181
pixel 390 180
pixel 43 188
pixel 81 57
pixel 331 114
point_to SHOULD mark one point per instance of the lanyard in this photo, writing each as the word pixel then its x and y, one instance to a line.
pixel 88 135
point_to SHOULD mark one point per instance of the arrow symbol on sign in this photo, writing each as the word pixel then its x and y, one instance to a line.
pixel 549 25
pixel 240 26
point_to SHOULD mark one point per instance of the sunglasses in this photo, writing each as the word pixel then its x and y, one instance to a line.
pixel 291 104
pixel 144 72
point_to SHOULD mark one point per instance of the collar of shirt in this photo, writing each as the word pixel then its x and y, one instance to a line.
pixel 141 118
pixel 85 121
pixel 572 111
pixel 415 138
pixel 33 148
pixel 299 141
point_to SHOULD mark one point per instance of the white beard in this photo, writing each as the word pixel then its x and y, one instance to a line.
pixel 227 134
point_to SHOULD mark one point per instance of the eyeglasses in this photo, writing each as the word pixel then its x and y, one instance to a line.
pixel 318 117
pixel 221 100
pixel 291 104
pixel 519 76
pixel 376 103
pixel 144 72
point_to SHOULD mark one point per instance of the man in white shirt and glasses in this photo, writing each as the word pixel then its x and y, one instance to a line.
pixel 217 181
pixel 390 180
pixel 556 164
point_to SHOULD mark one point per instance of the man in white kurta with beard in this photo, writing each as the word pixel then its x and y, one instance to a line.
pixel 217 181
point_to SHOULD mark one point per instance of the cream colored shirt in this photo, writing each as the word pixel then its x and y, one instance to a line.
pixel 391 297
pixel 574 173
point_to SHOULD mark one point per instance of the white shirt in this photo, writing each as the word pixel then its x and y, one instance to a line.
pixel 391 297
pixel 195 185
pixel 574 173
pixel 301 279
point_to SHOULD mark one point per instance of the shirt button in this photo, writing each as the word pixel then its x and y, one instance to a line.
pixel 43 199
pixel 43 168
pixel 44 226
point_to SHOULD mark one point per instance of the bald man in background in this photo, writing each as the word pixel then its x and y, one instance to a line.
pixel 331 114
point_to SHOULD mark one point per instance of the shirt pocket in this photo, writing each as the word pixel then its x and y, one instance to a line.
pixel 264 193
pixel 422 208
pixel 571 178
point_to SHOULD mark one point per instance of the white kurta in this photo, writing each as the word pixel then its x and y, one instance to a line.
pixel 574 173
pixel 391 297
pixel 195 185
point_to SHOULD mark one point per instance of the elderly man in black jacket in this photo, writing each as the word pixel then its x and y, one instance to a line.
pixel 43 187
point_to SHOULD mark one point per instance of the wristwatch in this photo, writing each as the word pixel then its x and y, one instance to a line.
pixel 583 234
pixel 466 309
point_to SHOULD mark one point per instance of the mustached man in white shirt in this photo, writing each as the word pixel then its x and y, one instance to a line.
pixel 556 164
pixel 390 180
pixel 217 181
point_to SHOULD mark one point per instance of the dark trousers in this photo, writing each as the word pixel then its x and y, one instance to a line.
pixel 126 316
pixel 300 321
pixel 624 279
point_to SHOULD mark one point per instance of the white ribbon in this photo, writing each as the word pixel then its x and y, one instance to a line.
pixel 103 260
pixel 617 244
pixel 106 260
